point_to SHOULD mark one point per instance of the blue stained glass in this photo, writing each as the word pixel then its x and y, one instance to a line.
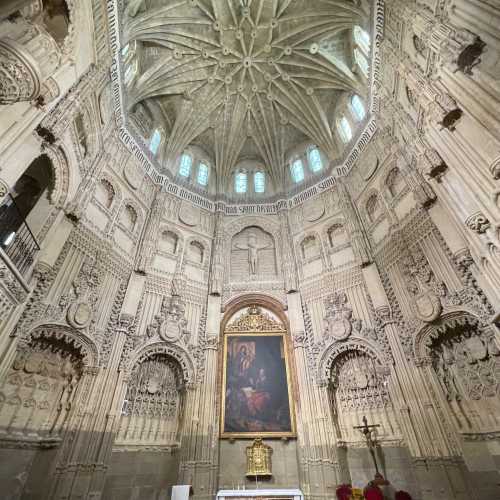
pixel 203 174
pixel 240 182
pixel 297 170
pixel 315 162
pixel 185 166
pixel 154 143
pixel 259 181
pixel 358 108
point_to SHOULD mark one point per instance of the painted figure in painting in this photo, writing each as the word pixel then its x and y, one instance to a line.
pixel 256 392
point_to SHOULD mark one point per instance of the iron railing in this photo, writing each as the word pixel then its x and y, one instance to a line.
pixel 16 238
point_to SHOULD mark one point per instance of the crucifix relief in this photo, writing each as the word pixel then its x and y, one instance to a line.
pixel 254 242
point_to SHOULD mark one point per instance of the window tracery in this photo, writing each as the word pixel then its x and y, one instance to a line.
pixel 259 180
pixel 357 107
pixel 315 161
pixel 362 39
pixel 240 182
pixel 344 129
pixel 202 174
pixel 297 171
pixel 155 141
pixel 185 165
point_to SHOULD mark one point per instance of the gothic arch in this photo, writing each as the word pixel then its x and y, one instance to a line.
pixel 238 225
pixel 171 350
pixel 308 236
pixel 59 194
pixel 233 305
pixel 438 328
pixel 334 350
pixel 75 338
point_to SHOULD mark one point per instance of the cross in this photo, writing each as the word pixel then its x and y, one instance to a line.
pixel 370 442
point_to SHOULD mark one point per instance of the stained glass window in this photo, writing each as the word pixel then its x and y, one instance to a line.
pixel 203 174
pixel 240 182
pixel 259 182
pixel 297 170
pixel 362 39
pixel 357 107
pixel 345 130
pixel 130 72
pixel 155 141
pixel 361 61
pixel 185 166
pixel 315 162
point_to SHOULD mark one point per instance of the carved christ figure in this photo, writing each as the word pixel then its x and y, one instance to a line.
pixel 253 251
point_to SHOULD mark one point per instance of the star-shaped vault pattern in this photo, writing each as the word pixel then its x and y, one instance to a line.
pixel 247 77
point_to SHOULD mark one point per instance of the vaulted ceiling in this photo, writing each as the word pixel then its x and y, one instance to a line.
pixel 243 78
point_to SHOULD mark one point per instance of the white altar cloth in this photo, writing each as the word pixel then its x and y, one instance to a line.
pixel 240 494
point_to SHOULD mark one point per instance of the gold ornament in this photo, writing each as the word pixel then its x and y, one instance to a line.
pixel 259 459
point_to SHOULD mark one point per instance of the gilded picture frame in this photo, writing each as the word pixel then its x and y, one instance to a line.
pixel 256 395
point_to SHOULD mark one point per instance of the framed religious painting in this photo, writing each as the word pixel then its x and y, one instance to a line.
pixel 256 388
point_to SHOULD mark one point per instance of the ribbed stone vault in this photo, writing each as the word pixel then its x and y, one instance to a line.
pixel 244 78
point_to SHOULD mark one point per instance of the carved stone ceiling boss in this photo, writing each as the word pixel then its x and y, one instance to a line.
pixel 243 79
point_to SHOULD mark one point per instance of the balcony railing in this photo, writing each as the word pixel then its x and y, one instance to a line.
pixel 16 238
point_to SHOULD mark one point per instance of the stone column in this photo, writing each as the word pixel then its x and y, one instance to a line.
pixel 425 425
pixel 85 453
pixel 199 443
pixel 321 468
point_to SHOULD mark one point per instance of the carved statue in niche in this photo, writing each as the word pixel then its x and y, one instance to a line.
pixel 38 391
pixel 256 247
pixel 466 360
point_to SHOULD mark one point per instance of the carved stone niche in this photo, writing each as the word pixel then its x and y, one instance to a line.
pixel 466 360
pixel 38 392
pixel 20 75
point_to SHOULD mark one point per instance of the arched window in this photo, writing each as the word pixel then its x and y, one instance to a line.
pixel 357 107
pixel 185 165
pixel 196 252
pixel 155 141
pixel 361 61
pixel 337 235
pixel 297 171
pixel 310 248
pixel 130 72
pixel 105 193
pixel 129 217
pixel 240 182
pixel 362 39
pixel 259 182
pixel 345 130
pixel 168 242
pixel 373 208
pixel 315 162
pixel 202 174
pixel 395 182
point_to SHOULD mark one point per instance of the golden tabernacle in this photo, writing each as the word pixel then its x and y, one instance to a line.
pixel 259 459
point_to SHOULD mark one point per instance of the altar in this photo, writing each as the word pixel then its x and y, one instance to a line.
pixel 264 494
